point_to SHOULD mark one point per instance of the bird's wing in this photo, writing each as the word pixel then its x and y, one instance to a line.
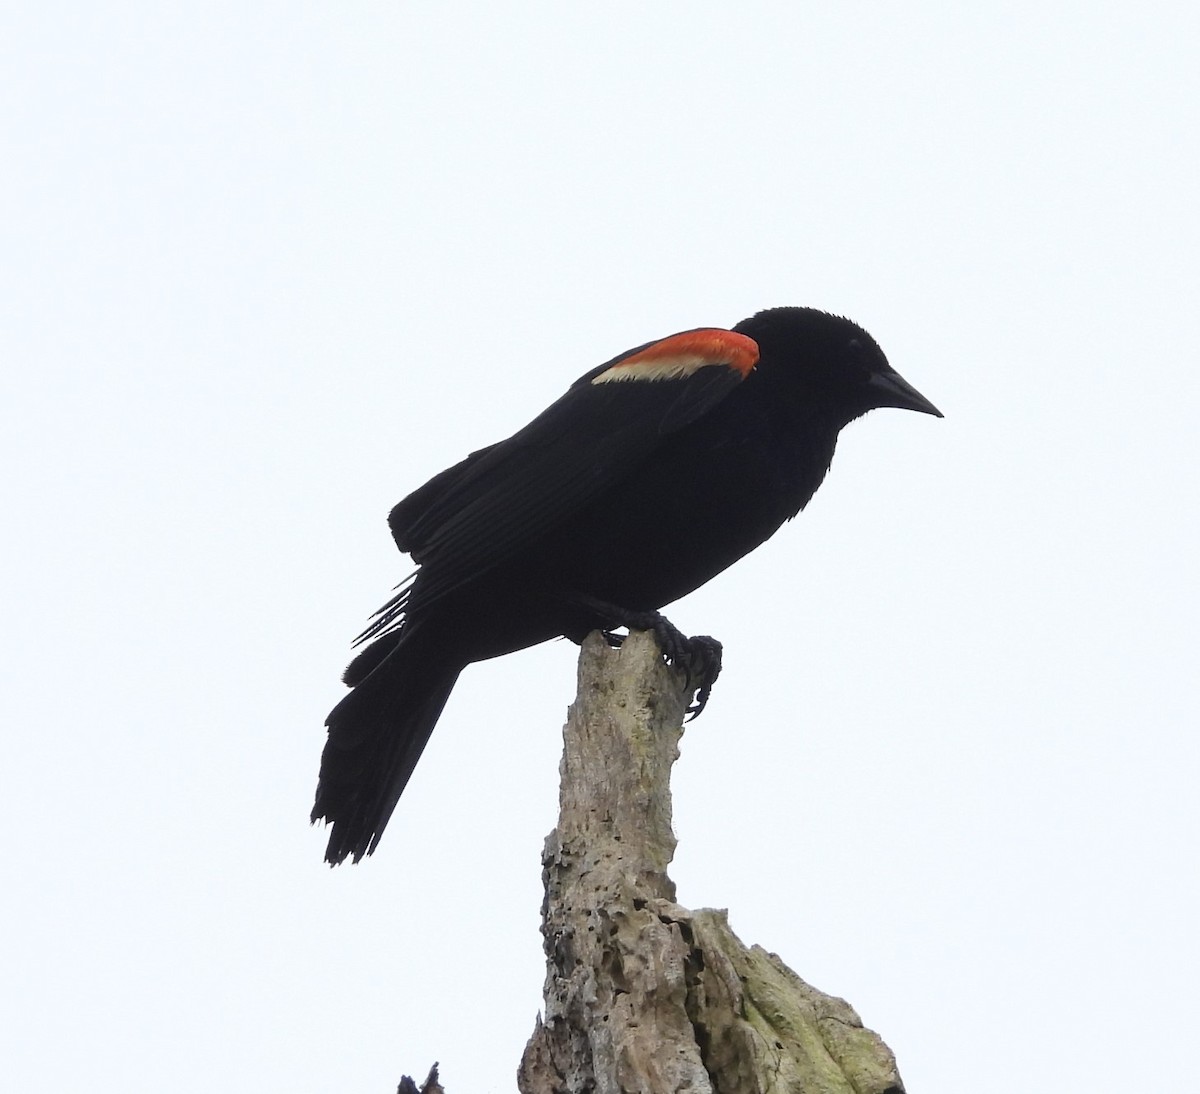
pixel 479 512
pixel 420 508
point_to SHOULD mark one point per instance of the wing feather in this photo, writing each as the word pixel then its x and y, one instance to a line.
pixel 481 511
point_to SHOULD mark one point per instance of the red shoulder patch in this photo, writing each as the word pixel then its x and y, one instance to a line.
pixel 680 355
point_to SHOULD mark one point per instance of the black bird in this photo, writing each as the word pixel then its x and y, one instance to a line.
pixel 653 473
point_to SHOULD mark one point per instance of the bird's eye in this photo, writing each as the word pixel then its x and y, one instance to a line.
pixel 854 345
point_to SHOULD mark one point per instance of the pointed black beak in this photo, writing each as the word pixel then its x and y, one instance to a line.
pixel 891 389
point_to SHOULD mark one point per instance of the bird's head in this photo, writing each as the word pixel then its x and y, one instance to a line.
pixel 828 362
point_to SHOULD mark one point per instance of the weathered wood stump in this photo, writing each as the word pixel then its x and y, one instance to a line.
pixel 641 994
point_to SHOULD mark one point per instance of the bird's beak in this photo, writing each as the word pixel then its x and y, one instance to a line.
pixel 891 389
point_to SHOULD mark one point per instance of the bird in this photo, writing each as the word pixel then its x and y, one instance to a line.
pixel 654 472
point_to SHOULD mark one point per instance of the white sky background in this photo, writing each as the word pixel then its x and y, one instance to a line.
pixel 266 269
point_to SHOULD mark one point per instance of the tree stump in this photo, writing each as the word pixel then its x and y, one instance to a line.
pixel 641 994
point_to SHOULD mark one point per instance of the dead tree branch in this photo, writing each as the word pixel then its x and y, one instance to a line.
pixel 641 994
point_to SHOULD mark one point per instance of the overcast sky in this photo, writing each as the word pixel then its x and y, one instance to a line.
pixel 267 267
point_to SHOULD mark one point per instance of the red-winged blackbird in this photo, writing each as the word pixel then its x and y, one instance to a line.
pixel 653 473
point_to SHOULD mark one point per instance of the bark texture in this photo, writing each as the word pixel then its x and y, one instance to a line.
pixel 642 995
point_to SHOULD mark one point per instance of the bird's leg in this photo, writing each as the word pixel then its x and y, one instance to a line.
pixel 699 656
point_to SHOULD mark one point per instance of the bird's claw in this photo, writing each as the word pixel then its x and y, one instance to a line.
pixel 703 668
pixel 698 656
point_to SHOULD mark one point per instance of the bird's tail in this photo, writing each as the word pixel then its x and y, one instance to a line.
pixel 376 736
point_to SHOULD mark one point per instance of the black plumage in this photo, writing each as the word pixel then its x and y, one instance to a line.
pixel 652 473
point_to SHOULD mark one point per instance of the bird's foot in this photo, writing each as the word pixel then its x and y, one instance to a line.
pixel 699 656
pixel 703 668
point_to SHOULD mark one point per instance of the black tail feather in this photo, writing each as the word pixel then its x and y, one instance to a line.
pixel 369 660
pixel 376 736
